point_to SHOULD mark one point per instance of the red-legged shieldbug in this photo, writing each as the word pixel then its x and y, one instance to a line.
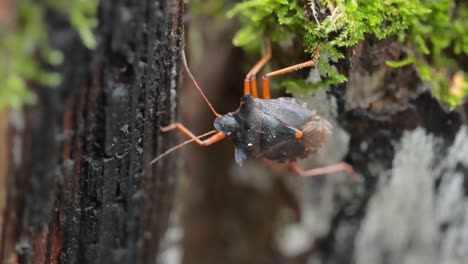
pixel 282 129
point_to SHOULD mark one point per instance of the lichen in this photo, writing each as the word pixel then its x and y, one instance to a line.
pixel 24 40
pixel 433 31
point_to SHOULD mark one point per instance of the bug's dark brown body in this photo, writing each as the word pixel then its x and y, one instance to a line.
pixel 269 128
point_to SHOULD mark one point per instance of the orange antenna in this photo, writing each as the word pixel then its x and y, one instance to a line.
pixel 184 60
pixel 169 151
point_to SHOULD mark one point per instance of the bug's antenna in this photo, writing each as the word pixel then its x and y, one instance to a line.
pixel 169 151
pixel 184 60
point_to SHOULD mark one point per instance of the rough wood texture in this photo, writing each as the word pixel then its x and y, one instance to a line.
pixel 79 189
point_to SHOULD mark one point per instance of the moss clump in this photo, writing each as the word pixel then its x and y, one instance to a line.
pixel 431 29
pixel 24 39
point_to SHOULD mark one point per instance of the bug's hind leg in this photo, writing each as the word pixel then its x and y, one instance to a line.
pixel 250 82
pixel 266 81
pixel 209 141
pixel 342 166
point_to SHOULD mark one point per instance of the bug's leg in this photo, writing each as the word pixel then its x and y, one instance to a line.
pixel 266 81
pixel 250 82
pixel 342 166
pixel 176 147
pixel 209 141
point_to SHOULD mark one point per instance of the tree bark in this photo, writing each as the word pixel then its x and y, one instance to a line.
pixel 78 188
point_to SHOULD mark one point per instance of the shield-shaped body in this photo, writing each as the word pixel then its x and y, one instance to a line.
pixel 281 129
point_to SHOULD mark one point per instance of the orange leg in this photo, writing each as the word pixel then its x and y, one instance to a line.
pixel 342 166
pixel 176 147
pixel 250 82
pixel 209 141
pixel 266 81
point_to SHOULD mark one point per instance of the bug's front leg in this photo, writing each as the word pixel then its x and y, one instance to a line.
pixel 266 77
pixel 250 82
pixel 209 141
pixel 342 166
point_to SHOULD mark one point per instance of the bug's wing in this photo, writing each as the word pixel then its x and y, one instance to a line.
pixel 289 111
pixel 293 113
pixel 315 132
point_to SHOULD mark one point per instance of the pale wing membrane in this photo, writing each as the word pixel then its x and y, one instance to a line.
pixel 315 132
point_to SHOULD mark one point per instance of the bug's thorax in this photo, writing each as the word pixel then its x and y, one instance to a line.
pixel 229 123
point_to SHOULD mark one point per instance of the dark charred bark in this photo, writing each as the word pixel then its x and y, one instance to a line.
pixel 79 188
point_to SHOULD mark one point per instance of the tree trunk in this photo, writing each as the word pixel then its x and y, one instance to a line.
pixel 77 185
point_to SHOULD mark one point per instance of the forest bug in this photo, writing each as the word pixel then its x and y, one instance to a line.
pixel 281 129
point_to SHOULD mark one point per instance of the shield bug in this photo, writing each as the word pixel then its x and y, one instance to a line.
pixel 282 129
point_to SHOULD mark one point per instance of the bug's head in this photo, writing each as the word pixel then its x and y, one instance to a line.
pixel 226 124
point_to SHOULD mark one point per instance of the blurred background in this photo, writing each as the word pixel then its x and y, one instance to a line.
pixel 86 85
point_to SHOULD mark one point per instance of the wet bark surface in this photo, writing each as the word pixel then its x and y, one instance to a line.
pixel 79 188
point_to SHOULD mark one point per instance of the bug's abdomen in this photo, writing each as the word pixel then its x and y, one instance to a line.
pixel 278 141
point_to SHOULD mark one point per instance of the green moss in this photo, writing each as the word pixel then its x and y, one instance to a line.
pixel 429 28
pixel 24 39
pixel 402 63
